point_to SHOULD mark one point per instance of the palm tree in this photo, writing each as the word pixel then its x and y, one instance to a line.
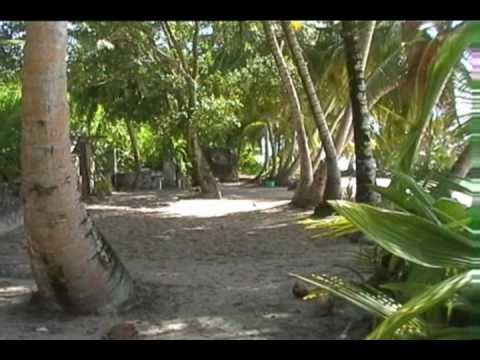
pixel 333 188
pixel 302 197
pixel 362 125
pixel 384 78
pixel 74 267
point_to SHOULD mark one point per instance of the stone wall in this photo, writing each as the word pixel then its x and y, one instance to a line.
pixel 147 180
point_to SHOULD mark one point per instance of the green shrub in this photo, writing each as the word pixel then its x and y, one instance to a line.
pixel 440 261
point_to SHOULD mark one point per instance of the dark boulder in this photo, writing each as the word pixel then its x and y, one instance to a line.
pixel 223 163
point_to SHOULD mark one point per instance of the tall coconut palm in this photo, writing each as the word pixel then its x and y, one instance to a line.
pixel 74 267
pixel 302 197
pixel 333 188
pixel 362 125
pixel 382 80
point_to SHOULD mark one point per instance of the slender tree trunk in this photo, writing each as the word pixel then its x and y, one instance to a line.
pixel 343 136
pixel 84 157
pixel 302 197
pixel 460 169
pixel 346 121
pixel 317 160
pixel 333 188
pixel 274 150
pixel 266 157
pixel 343 133
pixel 75 269
pixel 283 151
pixel 136 152
pixel 286 177
pixel 207 182
pixel 290 166
pixel 362 126
pixel 463 165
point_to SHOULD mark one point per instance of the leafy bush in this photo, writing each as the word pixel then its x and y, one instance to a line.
pixel 441 261
pixel 248 161
pixel 10 136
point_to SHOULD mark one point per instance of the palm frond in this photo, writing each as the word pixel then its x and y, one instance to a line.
pixel 439 65
pixel 411 237
pixel 420 304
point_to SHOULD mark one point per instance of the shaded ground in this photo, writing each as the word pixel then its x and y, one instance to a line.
pixel 206 269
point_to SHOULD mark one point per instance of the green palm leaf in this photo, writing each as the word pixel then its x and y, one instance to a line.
pixel 411 237
pixel 378 304
pixel 368 298
pixel 440 66
pixel 330 227
pixel 420 304
pixel 456 333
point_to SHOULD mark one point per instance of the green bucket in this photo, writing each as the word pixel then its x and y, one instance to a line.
pixel 269 183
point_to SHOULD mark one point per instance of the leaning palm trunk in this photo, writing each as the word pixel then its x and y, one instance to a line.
pixel 206 180
pixel 463 165
pixel 292 163
pixel 362 127
pixel 333 188
pixel 201 168
pixel 302 197
pixel 74 267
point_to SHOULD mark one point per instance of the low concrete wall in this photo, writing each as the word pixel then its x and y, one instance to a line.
pixel 147 180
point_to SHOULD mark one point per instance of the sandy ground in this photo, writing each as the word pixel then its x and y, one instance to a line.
pixel 205 269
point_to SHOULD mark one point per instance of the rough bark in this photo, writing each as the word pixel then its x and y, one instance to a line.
pixel 302 196
pixel 341 138
pixel 75 269
pixel 362 127
pixel 343 134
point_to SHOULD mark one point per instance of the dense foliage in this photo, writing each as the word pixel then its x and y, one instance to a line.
pixel 147 92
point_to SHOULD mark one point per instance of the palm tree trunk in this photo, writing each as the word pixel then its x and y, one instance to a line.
pixel 333 186
pixel 266 157
pixel 362 127
pixel 273 148
pixel 365 45
pixel 460 169
pixel 290 165
pixel 207 182
pixel 302 197
pixel 343 134
pixel 463 165
pixel 75 269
